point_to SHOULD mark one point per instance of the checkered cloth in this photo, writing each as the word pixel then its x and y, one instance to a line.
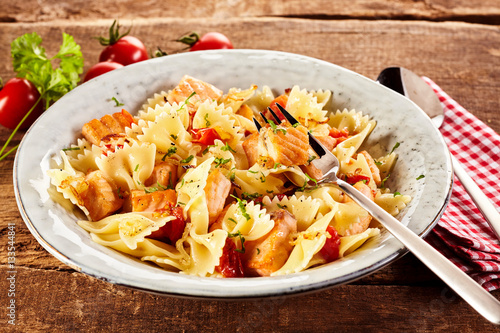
pixel 462 234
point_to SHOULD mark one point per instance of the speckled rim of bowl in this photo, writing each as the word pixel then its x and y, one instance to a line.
pixel 188 286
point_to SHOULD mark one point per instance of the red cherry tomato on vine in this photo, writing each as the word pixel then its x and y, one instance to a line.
pixel 212 41
pixel 122 48
pixel 126 50
pixel 101 68
pixel 16 99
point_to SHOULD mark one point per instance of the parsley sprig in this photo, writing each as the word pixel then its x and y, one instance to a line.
pixel 31 62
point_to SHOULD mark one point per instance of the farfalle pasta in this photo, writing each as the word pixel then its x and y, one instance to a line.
pixel 191 185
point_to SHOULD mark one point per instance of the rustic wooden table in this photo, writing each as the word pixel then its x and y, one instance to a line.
pixel 456 43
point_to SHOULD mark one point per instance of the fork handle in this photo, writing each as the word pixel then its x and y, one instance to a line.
pixel 480 299
pixel 482 202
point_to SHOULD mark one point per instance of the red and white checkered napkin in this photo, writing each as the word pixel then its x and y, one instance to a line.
pixel 462 234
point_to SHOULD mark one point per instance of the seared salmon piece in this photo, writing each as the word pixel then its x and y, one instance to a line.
pixel 97 129
pixel 373 167
pixel 216 191
pixel 285 144
pixel 189 85
pixel 217 224
pixel 250 147
pixel 164 173
pixel 327 141
pixel 269 253
pixel 101 197
pixel 143 201
pixel 364 221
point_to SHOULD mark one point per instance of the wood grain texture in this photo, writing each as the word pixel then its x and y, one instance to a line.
pixel 364 36
pixel 463 58
pixel 486 11
pixel 70 301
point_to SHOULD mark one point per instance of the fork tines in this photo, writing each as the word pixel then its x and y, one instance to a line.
pixel 313 142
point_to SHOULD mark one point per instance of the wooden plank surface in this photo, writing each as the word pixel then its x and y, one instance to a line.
pixel 486 11
pixel 462 57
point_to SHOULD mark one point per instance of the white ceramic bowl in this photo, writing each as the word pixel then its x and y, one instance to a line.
pixel 422 152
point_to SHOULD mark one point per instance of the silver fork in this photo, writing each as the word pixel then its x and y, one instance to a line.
pixel 481 300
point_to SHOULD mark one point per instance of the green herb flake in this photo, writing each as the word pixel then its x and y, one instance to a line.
pixel 117 103
pixel 420 177
pixel 188 159
pixel 242 207
pixel 228 148
pixel 232 220
pixel 172 150
pixel 207 122
pixel 242 239
pixel 173 136
pixel 219 161
pixel 396 193
pixel 395 147
pixel 382 183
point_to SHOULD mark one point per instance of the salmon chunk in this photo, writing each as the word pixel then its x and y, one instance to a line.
pixel 269 253
pixel 250 147
pixel 216 191
pixel 164 174
pixel 98 129
pixel 101 197
pixel 189 85
pixel 285 144
pixel 143 201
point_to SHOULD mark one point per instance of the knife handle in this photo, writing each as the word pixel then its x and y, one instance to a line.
pixel 482 202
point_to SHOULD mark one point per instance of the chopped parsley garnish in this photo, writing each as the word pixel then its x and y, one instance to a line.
pixel 242 239
pixel 227 148
pixel 262 178
pixel 136 168
pixel 242 207
pixel 295 125
pixel 275 128
pixel 186 101
pixel 117 103
pixel 232 220
pixel 311 158
pixel 397 193
pixel 173 136
pixel 219 161
pixel 172 150
pixel 207 122
pixel 420 177
pixel 250 196
pixel 394 148
pixel 188 159
pixel 382 183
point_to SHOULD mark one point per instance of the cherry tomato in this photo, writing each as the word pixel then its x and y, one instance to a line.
pixel 101 68
pixel 330 251
pixel 173 230
pixel 354 178
pixel 126 50
pixel 230 264
pixel 205 136
pixel 281 100
pixel 16 99
pixel 210 41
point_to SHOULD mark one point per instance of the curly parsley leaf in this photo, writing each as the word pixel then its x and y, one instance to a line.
pixel 30 61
